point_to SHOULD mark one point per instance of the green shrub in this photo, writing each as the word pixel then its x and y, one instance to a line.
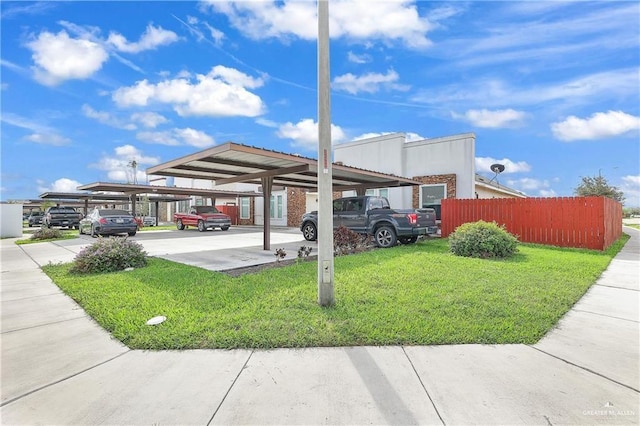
pixel 346 241
pixel 482 239
pixel 46 234
pixel 109 255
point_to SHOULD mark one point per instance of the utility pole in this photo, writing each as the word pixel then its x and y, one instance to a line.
pixel 325 190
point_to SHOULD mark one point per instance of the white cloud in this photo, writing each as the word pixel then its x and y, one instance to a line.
pixel 194 137
pixel 358 59
pixel 532 187
pixel 409 136
pixel 305 133
pixel 221 93
pixel 60 185
pixel 631 188
pixel 48 139
pixel 106 118
pixel 176 137
pixel 360 21
pixel 483 164
pixel 42 134
pixel 266 123
pixel 369 83
pixel 119 164
pixel 58 57
pixel 600 125
pixel 148 119
pixel 492 119
pixel 150 39
pixel 616 84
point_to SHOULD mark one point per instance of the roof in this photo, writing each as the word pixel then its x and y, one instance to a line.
pixel 154 191
pixel 495 186
pixel 232 162
pixel 97 197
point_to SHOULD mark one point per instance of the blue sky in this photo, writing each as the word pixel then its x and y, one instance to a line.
pixel 551 89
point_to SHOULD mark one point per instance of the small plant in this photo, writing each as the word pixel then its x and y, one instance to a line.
pixel 109 255
pixel 303 253
pixel 280 254
pixel 46 234
pixel 482 239
pixel 346 241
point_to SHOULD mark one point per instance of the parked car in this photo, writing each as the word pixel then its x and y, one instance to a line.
pixel 35 218
pixel 203 217
pixel 373 216
pixel 61 216
pixel 108 222
pixel 145 220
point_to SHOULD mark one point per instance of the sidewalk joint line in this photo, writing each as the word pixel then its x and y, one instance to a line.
pixel 618 288
pixel 585 369
pixel 230 387
pixel 62 380
pixel 84 315
pixel 605 315
pixel 423 385
pixel 33 297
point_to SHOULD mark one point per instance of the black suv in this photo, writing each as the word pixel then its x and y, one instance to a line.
pixel 35 218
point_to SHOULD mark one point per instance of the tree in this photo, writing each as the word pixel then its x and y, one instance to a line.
pixel 598 186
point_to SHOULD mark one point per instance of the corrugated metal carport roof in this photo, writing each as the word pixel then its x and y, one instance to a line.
pixel 152 190
pixel 232 162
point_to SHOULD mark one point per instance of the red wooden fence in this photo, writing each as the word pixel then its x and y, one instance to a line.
pixel 234 212
pixel 584 222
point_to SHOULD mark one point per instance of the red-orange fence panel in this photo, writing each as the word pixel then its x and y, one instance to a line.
pixel 584 222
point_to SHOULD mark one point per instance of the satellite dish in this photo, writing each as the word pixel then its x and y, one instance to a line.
pixel 497 169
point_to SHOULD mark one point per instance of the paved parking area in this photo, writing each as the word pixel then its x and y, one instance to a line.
pixel 239 247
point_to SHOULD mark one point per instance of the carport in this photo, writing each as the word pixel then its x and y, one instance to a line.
pixel 85 198
pixel 232 162
pixel 157 194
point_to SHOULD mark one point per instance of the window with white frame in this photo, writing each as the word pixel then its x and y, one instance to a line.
pixel 382 192
pixel 245 203
pixel 275 207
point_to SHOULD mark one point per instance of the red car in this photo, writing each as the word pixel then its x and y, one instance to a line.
pixel 203 217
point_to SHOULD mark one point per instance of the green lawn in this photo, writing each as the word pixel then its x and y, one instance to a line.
pixel 67 234
pixel 412 295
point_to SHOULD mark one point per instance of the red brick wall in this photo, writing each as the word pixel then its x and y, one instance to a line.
pixel 250 221
pixel 296 205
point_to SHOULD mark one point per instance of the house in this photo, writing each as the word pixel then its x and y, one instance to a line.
pixel 445 165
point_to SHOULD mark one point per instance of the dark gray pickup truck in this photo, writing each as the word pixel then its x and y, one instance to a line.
pixel 373 216
pixel 61 216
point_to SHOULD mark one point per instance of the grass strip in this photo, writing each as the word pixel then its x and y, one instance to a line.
pixel 408 295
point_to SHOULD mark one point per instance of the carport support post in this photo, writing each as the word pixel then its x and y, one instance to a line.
pixel 325 193
pixel 267 182
pixel 133 198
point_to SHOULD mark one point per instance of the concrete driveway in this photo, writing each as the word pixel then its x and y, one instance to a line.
pixel 217 250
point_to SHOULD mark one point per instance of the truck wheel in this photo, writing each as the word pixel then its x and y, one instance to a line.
pixel 179 225
pixel 408 240
pixel 131 234
pixel 201 226
pixel 225 228
pixel 309 232
pixel 385 237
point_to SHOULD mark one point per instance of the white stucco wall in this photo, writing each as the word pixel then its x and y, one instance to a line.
pixel 10 220
pixel 259 217
pixel 391 154
pixel 447 155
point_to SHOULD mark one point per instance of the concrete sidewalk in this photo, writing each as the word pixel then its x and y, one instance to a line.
pixel 59 367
